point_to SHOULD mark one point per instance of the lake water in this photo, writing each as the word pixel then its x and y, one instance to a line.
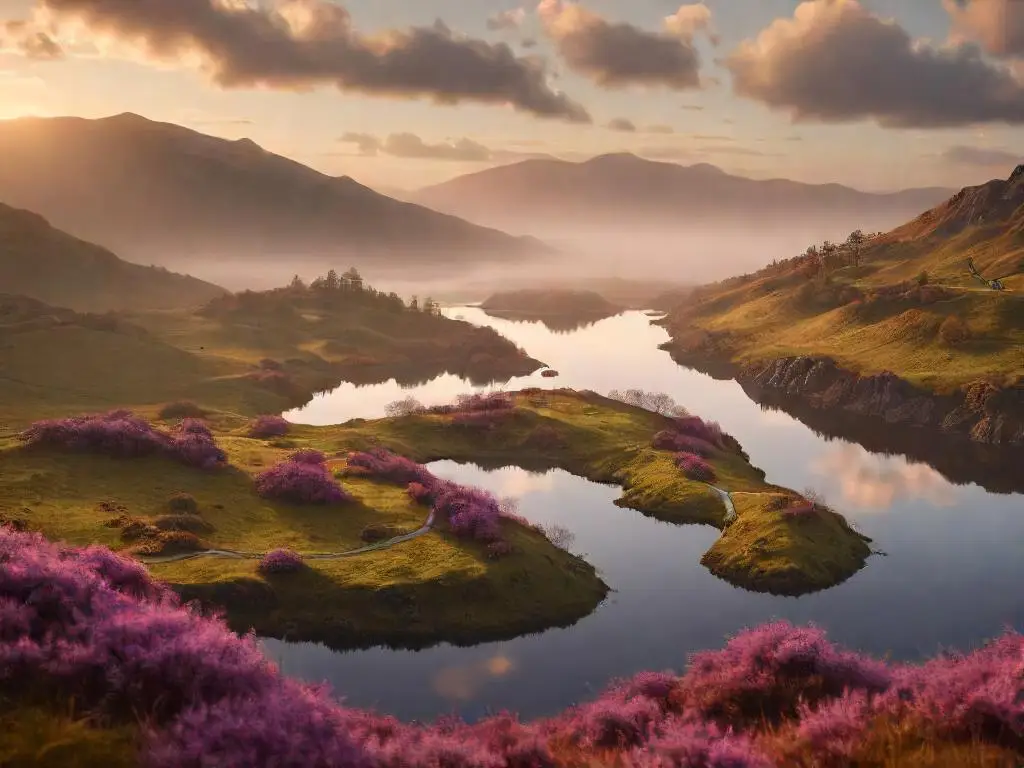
pixel 951 577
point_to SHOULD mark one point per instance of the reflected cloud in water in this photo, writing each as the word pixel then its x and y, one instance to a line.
pixel 463 682
pixel 874 482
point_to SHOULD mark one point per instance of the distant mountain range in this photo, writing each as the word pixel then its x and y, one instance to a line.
pixel 160 193
pixel 46 264
pixel 626 192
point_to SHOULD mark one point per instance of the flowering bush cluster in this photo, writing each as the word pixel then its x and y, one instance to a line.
pixel 280 561
pixel 269 426
pixel 476 403
pixel 122 435
pixel 92 626
pixel 695 468
pixel 384 465
pixel 301 479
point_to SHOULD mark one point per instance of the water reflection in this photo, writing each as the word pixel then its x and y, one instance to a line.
pixel 666 605
pixel 951 578
pixel 566 322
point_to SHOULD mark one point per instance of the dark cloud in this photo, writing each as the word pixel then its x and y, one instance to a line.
pixel 298 44
pixel 411 146
pixel 997 25
pixel 616 55
pixel 963 155
pixel 512 19
pixel 621 124
pixel 833 61
pixel 32 42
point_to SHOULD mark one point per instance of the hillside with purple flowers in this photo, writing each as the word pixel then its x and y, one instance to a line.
pixel 158 685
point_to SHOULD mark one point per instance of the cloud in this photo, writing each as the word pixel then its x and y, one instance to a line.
pixel 659 128
pixel 833 61
pixel 512 19
pixel 997 25
pixel 621 124
pixel 301 44
pixel 689 20
pixel 411 146
pixel 692 107
pixel 871 481
pixel 30 41
pixel 462 683
pixel 964 155
pixel 616 54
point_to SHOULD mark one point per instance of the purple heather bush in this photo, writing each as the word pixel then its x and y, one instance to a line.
pixel 481 420
pixel 477 403
pixel 269 426
pixel 281 561
pixel 695 468
pixel 91 626
pixel 694 426
pixel 121 435
pixel 800 509
pixel 382 464
pixel 670 440
pixel 301 479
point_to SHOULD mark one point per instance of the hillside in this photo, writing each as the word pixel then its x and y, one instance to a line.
pixel 44 263
pixel 898 327
pixel 623 192
pixel 163 194
pixel 248 353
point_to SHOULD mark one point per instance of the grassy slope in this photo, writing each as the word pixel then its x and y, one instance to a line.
pixel 70 364
pixel 608 442
pixel 432 588
pixel 764 318
pixel 40 261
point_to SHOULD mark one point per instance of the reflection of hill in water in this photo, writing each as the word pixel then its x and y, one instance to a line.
pixel 560 322
pixel 959 460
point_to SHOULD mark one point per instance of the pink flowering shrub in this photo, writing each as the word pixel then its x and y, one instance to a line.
pixel 269 426
pixel 121 435
pixel 800 509
pixel 670 440
pixel 302 479
pixel 382 464
pixel 281 561
pixel 695 468
pixel 91 626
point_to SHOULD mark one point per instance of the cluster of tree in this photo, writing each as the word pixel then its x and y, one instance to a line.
pixel 352 283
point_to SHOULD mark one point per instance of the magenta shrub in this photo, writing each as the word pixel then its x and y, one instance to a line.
pixel 308 456
pixel 694 426
pixel 670 440
pixel 121 435
pixel 281 561
pixel 91 626
pixel 382 464
pixel 301 480
pixel 269 426
pixel 801 509
pixel 695 468
pixel 480 420
pixel 476 403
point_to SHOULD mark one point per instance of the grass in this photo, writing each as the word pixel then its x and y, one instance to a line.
pixel 761 317
pixel 54 362
pixel 41 737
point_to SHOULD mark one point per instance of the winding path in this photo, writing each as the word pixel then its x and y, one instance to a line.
pixel 730 508
pixel 235 555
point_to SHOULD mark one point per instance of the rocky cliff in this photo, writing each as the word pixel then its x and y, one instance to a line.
pixel 982 411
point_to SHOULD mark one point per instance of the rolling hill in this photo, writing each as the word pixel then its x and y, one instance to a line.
pixel 903 331
pixel 160 193
pixel 625 191
pixel 44 263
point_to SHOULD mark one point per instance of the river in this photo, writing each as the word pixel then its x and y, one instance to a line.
pixel 951 576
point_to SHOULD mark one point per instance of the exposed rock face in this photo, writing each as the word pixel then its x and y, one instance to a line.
pixel 981 411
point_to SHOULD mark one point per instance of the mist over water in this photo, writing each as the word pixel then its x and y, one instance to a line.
pixel 950 577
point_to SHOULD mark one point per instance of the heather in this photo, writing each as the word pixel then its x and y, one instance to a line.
pixel 269 426
pixel 92 625
pixel 120 434
pixel 303 478
pixel 694 467
pixel 280 561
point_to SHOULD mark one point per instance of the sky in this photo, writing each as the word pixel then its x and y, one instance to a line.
pixel 399 94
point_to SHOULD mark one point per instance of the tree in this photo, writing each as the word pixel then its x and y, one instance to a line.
pixel 430 306
pixel 414 304
pixel 353 279
pixel 297 284
pixel 332 282
pixel 855 241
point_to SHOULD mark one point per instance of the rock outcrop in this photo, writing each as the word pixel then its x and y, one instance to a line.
pixel 981 411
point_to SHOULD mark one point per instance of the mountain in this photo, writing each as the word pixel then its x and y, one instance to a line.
pixel 44 263
pixel 625 191
pixel 160 193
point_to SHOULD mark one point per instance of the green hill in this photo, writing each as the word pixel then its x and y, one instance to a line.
pixel 47 264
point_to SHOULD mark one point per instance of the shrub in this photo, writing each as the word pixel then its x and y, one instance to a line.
pixel 300 482
pixel 407 406
pixel 169 543
pixel 954 331
pixel 183 503
pixel 695 468
pixel 480 420
pixel 375 532
pixel 182 409
pixel 308 456
pixel 420 493
pixel 190 523
pixel 269 426
pixel 281 561
pixel 801 509
pixel 922 278
pixel 471 513
pixel 659 402
pixel 382 464
pixel 671 440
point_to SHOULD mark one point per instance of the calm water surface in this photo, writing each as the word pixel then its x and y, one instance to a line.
pixel 952 575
